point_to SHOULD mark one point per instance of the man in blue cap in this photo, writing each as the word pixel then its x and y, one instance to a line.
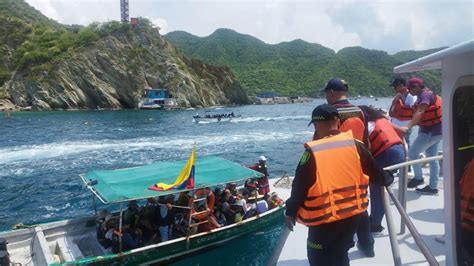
pixel 353 119
pixel 329 192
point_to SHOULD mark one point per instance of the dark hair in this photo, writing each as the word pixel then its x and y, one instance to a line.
pixel 371 113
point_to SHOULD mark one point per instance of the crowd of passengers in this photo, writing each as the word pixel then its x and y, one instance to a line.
pixel 167 217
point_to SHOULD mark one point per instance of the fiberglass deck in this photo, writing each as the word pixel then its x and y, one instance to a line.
pixel 425 211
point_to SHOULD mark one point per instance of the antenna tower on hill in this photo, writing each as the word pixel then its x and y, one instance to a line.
pixel 124 11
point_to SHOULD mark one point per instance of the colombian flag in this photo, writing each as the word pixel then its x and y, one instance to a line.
pixel 185 180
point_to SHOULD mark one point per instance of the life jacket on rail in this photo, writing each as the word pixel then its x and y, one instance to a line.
pixel 352 118
pixel 340 190
pixel 383 137
pixel 211 200
pixel 467 197
pixel 433 114
pixel 399 110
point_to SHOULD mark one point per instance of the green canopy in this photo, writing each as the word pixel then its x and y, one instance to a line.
pixel 132 183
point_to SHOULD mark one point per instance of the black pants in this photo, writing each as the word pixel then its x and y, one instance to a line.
pixel 364 236
pixel 328 243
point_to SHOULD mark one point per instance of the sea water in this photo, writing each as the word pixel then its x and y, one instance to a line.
pixel 42 155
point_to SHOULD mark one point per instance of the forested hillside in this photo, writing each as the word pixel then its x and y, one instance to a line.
pixel 46 65
pixel 298 67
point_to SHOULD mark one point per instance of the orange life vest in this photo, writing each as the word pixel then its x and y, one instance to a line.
pixel 467 197
pixel 399 111
pixel 433 113
pixel 352 118
pixel 340 190
pixel 383 137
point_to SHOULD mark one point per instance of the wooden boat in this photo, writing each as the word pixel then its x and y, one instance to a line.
pixel 74 242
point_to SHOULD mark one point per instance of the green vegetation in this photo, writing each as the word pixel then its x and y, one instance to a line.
pixel 297 67
pixel 29 40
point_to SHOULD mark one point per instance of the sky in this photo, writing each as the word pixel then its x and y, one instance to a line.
pixel 386 25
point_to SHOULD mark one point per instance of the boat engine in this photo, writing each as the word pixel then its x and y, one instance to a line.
pixel 4 257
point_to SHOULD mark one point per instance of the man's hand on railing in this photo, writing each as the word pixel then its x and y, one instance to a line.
pixel 388 178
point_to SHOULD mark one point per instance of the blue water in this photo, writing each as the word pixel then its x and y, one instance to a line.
pixel 43 153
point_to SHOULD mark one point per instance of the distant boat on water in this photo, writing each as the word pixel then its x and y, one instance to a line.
pixel 214 117
pixel 157 99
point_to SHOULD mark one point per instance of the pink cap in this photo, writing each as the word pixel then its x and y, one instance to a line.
pixel 415 81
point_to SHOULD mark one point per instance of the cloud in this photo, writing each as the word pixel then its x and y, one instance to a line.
pixel 162 23
pixel 389 25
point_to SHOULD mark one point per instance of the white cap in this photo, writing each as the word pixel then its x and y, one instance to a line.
pixel 262 158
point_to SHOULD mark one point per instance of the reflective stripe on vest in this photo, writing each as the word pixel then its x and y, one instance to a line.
pixel 383 137
pixel 432 114
pixel 467 197
pixel 352 118
pixel 340 190
pixel 399 111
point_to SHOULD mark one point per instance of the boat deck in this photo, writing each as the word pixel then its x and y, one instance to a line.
pixel 426 213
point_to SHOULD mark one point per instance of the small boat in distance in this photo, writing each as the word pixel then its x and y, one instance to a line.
pixel 157 99
pixel 214 117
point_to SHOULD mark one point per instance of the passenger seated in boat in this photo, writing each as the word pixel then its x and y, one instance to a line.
pixel 132 214
pixel 102 219
pixel 131 221
pixel 262 206
pixel 239 207
pixel 128 242
pixel 232 187
pixel 250 209
pixel 164 218
pixel 183 200
pixel 274 201
pixel 148 221
pixel 229 214
pixel 251 184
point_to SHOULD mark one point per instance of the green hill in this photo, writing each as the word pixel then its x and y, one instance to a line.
pixel 46 65
pixel 297 67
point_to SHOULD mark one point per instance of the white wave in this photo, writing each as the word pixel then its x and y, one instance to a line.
pixel 263 118
pixel 62 149
pixel 54 209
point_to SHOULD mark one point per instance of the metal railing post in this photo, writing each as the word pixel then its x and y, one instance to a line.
pixel 391 229
pixel 402 194
pixel 402 187
pixel 411 227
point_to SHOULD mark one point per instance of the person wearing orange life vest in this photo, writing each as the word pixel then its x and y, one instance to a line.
pixel 387 148
pixel 329 191
pixel 352 118
pixel 401 110
pixel 428 115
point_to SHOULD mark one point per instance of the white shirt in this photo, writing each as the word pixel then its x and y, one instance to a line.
pixel 409 102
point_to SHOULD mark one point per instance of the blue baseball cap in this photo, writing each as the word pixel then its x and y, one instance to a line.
pixel 336 84
pixel 324 112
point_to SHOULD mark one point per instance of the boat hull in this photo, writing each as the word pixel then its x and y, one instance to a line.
pixel 175 249
pixel 211 120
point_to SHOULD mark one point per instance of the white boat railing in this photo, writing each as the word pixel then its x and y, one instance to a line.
pixel 400 203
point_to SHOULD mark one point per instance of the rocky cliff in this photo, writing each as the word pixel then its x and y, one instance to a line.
pixel 112 72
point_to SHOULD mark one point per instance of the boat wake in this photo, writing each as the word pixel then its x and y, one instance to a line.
pixel 262 118
pixel 210 143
